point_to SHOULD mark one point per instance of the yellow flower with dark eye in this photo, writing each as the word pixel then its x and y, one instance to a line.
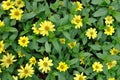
pixel 7 60
pixel 62 40
pixel 19 3
pixel 2 23
pixel 114 51
pixel 1 46
pixel 26 71
pixel 97 66
pixel 77 20
pixel 62 66
pixel 46 27
pixel 72 44
pixel 111 64
pixel 80 77
pixel 79 6
pixel 32 60
pixel 109 20
pixel 23 41
pixel 91 33
pixel 6 5
pixel 109 30
pixel 16 13
pixel 35 29
pixel 111 78
pixel 45 64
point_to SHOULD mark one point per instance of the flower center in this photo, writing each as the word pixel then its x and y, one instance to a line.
pixel 46 28
pixel 8 3
pixel 96 66
pixel 62 66
pixel 80 78
pixel 23 41
pixel 16 13
pixel 115 52
pixel 19 2
pixel 45 64
pixel 91 33
pixel 25 71
pixel 8 61
pixel 77 20
pixel 108 29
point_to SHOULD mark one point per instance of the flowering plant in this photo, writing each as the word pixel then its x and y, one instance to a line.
pixel 60 40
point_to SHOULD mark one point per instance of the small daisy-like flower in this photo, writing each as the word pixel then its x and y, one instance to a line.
pixel 79 6
pixel 114 51
pixel 26 71
pixel 46 27
pixel 20 54
pixel 80 77
pixel 111 78
pixel 7 60
pixel 2 23
pixel 109 30
pixel 32 60
pixel 19 3
pixel 72 44
pixel 62 66
pixel 6 5
pixel 35 29
pixel 16 13
pixel 97 66
pixel 109 20
pixel 111 64
pixel 77 20
pixel 45 64
pixel 1 46
pixel 91 33
pixel 23 41
pixel 62 40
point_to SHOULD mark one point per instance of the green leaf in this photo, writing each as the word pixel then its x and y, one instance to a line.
pixel 67 35
pixel 55 5
pixel 73 61
pixel 47 47
pixel 100 12
pixel 96 47
pixel 42 40
pixel 117 15
pixel 27 16
pixel 97 2
pixel 56 46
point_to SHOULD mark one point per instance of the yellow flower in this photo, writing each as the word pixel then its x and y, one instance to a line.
pixel 7 60
pixel 79 6
pixel 72 44
pixel 32 60
pixel 1 46
pixel 16 13
pixel 109 30
pixel 111 79
pixel 62 66
pixel 109 20
pixel 20 54
pixel 114 51
pixel 97 66
pixel 82 60
pixel 45 27
pixel 15 77
pixel 62 40
pixel 6 5
pixel 0 70
pixel 45 64
pixel 111 64
pixel 35 30
pixel 77 20
pixel 19 3
pixel 91 33
pixel 61 3
pixel 26 71
pixel 1 23
pixel 23 41
pixel 80 77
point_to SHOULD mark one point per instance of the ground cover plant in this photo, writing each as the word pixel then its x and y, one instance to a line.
pixel 60 40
